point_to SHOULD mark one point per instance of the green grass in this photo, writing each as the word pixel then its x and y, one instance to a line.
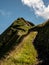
pixel 26 28
pixel 25 54
pixel 28 53
pixel 19 21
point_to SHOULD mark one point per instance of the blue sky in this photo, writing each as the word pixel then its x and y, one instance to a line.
pixel 12 9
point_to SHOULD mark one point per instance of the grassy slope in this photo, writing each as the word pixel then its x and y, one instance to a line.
pixel 24 54
pixel 18 27
pixel 13 35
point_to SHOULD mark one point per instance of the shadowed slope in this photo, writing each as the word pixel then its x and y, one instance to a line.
pixel 41 42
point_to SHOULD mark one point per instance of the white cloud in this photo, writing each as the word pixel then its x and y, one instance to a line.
pixel 4 13
pixel 39 7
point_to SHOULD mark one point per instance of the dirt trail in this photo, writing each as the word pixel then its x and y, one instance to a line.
pixel 20 46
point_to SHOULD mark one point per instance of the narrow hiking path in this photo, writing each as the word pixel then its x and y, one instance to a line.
pixel 23 53
pixel 23 43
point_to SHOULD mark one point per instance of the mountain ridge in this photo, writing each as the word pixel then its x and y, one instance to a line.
pixel 32 54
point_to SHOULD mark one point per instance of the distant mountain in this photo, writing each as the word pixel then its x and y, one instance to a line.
pixel 24 43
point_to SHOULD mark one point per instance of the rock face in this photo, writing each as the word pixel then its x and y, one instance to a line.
pixel 23 43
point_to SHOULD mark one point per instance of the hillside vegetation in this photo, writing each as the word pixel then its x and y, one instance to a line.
pixel 24 43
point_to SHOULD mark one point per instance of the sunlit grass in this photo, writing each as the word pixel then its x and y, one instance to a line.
pixel 26 54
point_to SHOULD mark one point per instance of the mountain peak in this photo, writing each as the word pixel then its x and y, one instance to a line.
pixel 28 43
pixel 22 21
pixel 21 18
